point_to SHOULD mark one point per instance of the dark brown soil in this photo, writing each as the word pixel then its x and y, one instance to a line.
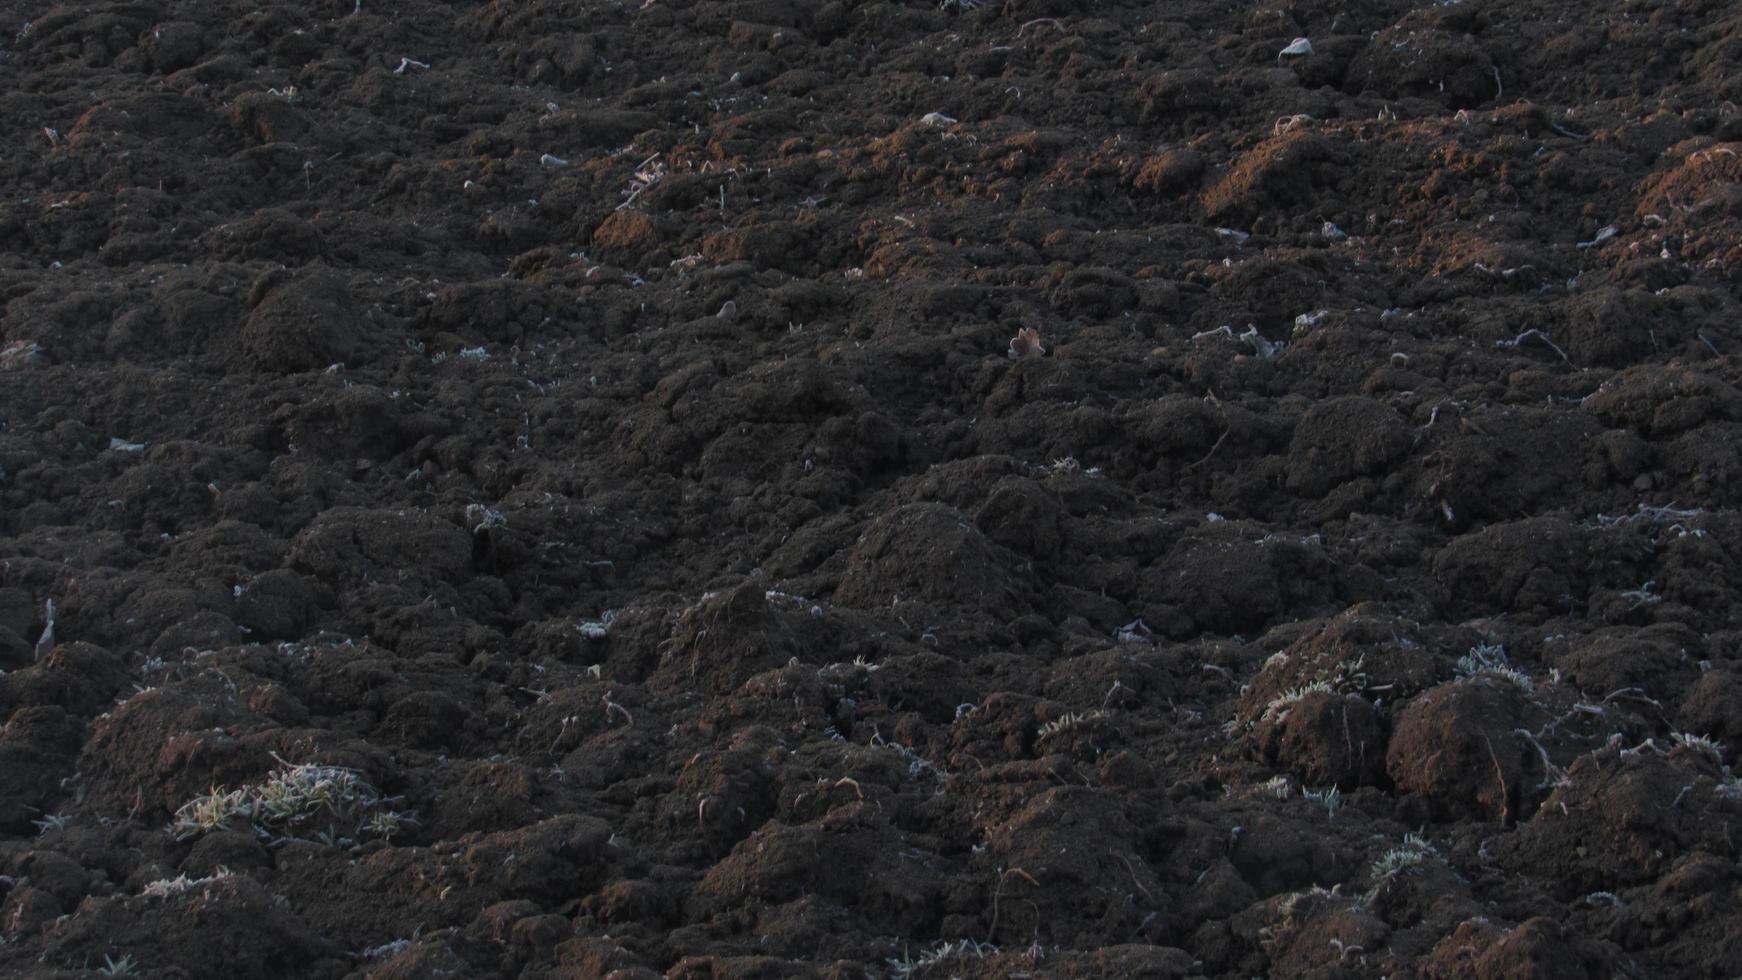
pixel 851 488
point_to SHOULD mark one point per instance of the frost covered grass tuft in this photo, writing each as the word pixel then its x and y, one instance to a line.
pixel 1331 798
pixel 946 952
pixel 1490 659
pixel 1286 700
pixel 165 887
pixel 1704 745
pixel 310 801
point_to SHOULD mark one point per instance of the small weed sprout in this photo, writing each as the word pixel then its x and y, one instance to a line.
pixel 1702 744
pixel 1399 861
pixel 387 824
pixel 1278 787
pixel 126 966
pixel 1331 798
pixel 1286 700
pixel 1067 722
pixel 1490 659
pixel 332 839
pixel 1482 656
pixel 1350 678
pixel 51 821
pixel 960 949
pixel 214 811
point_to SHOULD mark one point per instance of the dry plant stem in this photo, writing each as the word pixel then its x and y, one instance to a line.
pixel 1500 777
pixel 1134 880
pixel 1227 427
pixel 998 893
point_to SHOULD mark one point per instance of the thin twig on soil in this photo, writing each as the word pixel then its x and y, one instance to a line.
pixel 1500 777
pixel 997 893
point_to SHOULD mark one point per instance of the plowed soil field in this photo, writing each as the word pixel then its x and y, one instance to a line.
pixel 860 488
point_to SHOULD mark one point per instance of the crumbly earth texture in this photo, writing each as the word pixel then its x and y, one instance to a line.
pixel 547 489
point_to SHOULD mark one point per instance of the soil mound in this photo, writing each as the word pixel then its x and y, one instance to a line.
pixel 870 488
